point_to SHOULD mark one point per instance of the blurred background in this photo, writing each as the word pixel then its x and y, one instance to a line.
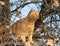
pixel 47 27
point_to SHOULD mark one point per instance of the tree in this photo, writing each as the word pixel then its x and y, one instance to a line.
pixel 5 13
pixel 49 15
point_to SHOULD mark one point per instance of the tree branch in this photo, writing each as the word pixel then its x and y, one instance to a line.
pixel 25 4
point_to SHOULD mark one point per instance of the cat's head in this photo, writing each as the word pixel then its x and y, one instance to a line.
pixel 33 15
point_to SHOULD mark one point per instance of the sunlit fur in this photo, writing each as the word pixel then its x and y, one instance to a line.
pixel 25 27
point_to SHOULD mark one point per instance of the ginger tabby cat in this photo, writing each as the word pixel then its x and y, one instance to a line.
pixel 24 27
